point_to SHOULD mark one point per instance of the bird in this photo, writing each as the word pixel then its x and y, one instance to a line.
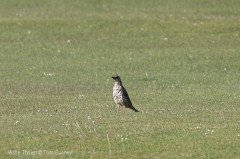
pixel 120 95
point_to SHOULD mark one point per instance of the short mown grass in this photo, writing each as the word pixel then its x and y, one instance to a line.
pixel 179 62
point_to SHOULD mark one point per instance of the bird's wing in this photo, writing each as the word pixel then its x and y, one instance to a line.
pixel 125 94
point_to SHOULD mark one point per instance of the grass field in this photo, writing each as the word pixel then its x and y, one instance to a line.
pixel 178 60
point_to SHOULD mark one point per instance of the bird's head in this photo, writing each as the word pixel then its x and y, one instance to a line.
pixel 116 78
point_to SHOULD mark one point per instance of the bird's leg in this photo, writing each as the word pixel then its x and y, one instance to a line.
pixel 124 109
pixel 117 107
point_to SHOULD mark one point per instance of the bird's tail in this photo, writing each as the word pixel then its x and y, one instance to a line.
pixel 131 107
pixel 135 110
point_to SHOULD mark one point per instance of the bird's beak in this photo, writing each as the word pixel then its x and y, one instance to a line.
pixel 113 77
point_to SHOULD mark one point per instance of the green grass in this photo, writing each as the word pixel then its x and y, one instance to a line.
pixel 178 60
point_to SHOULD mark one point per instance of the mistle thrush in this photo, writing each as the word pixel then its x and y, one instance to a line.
pixel 120 95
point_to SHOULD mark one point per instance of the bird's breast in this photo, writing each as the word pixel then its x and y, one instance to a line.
pixel 117 94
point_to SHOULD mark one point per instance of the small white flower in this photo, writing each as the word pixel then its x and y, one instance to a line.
pixel 68 41
pixel 125 138
pixel 141 28
pixel 17 122
pixel 50 115
pixel 122 139
pixel 166 38
pixel 48 74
